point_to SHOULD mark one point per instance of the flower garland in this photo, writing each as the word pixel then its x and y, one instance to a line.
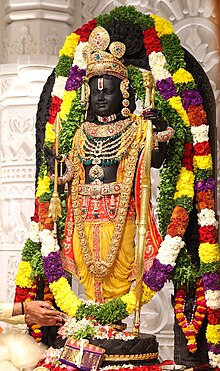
pixel 191 328
pixel 181 104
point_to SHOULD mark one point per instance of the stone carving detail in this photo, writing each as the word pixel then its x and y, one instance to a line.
pixel 17 138
pixel 88 9
pixel 15 216
pixel 13 262
pixel 4 86
pixel 52 43
pixel 24 44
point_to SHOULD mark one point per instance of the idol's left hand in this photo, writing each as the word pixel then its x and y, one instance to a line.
pixel 155 116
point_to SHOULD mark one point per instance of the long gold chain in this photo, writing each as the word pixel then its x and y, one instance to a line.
pixel 99 268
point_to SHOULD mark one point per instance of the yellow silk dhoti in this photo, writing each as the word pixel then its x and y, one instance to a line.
pixel 99 236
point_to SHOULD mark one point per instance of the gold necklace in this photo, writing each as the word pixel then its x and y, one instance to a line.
pixel 96 130
pixel 104 151
pixel 99 268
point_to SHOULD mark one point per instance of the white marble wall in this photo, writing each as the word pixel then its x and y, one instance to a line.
pixel 31 33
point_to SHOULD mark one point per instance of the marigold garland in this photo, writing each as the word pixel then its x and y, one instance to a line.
pixel 190 327
pixel 181 104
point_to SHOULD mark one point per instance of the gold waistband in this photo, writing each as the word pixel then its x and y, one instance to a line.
pixel 100 189
pixel 130 357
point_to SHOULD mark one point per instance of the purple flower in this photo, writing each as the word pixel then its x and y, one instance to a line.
pixel 75 78
pixel 211 281
pixel 166 88
pixel 53 266
pixel 191 97
pixel 213 348
pixel 157 275
pixel 205 185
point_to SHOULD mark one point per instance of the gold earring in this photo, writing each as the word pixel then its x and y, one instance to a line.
pixel 85 92
pixel 125 94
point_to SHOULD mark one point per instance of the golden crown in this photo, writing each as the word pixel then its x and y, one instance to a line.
pixel 100 62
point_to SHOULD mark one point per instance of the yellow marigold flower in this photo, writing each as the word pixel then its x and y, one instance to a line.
pixel 49 133
pixel 179 315
pixel 68 98
pixel 182 76
pixel 70 45
pixel 23 275
pixel 35 327
pixel 43 185
pixel 37 331
pixel 209 253
pixel 130 300
pixel 202 162
pixel 185 184
pixel 147 294
pixel 162 26
pixel 65 298
pixel 213 334
pixel 176 104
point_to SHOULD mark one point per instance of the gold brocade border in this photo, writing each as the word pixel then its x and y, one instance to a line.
pixel 130 357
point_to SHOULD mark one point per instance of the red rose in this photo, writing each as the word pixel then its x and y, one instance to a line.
pixel 208 233
pixel 188 147
pixel 54 108
pixel 213 316
pixel 187 163
pixel 35 218
pixel 21 294
pixel 212 319
pixel 187 160
pixel 202 149
pixel 151 41
pixel 85 31
pixel 197 115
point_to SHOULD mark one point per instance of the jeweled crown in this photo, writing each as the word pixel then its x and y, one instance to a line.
pixel 100 62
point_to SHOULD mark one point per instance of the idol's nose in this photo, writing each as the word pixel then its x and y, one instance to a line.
pixel 101 95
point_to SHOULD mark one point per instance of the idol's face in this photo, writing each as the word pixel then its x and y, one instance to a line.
pixel 105 95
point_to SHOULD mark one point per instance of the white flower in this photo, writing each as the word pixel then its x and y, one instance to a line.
pixel 157 63
pixel 78 58
pixel 169 250
pixel 34 232
pixel 49 242
pixel 214 359
pixel 59 87
pixel 213 299
pixel 207 217
pixel 200 133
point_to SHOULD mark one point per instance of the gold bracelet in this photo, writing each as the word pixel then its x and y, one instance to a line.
pixel 162 137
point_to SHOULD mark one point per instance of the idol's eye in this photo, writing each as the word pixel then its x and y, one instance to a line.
pixel 95 91
pixel 108 91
